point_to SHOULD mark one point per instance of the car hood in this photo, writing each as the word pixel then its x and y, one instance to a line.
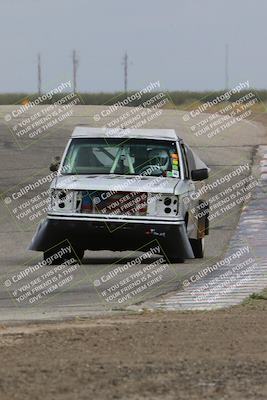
pixel 117 183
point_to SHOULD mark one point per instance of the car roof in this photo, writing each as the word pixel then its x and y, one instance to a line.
pixel 84 131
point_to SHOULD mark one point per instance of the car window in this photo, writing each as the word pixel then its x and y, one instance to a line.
pixel 127 157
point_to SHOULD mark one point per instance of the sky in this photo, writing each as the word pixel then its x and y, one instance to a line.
pixel 181 43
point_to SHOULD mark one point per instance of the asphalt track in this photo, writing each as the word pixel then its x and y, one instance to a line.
pixel 223 153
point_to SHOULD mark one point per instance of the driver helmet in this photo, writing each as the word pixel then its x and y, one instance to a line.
pixel 159 158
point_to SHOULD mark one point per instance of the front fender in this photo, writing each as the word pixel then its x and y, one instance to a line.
pixel 41 240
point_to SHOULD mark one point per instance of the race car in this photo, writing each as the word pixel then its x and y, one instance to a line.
pixel 120 190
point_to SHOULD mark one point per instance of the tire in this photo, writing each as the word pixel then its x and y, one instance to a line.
pixel 197 247
pixel 53 254
pixel 174 260
pixel 78 254
pixel 171 258
pixel 47 255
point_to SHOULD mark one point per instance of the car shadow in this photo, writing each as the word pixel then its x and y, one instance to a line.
pixel 112 260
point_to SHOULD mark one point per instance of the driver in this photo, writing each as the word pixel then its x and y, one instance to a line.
pixel 159 158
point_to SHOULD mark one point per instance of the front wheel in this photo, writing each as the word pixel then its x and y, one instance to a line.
pixel 197 247
pixel 78 254
pixel 174 260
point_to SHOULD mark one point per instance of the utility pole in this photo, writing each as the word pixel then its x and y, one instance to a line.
pixel 226 67
pixel 75 63
pixel 39 73
pixel 125 67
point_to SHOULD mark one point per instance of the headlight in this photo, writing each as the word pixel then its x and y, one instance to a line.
pixel 62 195
pixel 62 200
pixel 167 201
pixel 161 204
pixel 171 205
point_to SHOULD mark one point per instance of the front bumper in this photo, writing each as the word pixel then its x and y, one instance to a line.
pixel 117 234
pixel 108 219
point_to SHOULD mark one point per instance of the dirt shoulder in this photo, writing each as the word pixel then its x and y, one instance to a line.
pixel 200 355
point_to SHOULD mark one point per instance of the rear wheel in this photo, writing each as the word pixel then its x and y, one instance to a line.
pixel 197 247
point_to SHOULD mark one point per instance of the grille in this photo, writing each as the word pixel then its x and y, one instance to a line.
pixel 119 203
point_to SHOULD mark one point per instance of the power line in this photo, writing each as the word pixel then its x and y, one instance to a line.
pixel 39 74
pixel 125 67
pixel 226 67
pixel 75 63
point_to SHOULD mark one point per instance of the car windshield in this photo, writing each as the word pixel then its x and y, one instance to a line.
pixel 128 157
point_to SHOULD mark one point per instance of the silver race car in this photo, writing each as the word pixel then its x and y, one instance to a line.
pixel 120 190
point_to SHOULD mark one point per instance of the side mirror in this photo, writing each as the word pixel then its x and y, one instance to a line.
pixel 55 164
pixel 199 174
